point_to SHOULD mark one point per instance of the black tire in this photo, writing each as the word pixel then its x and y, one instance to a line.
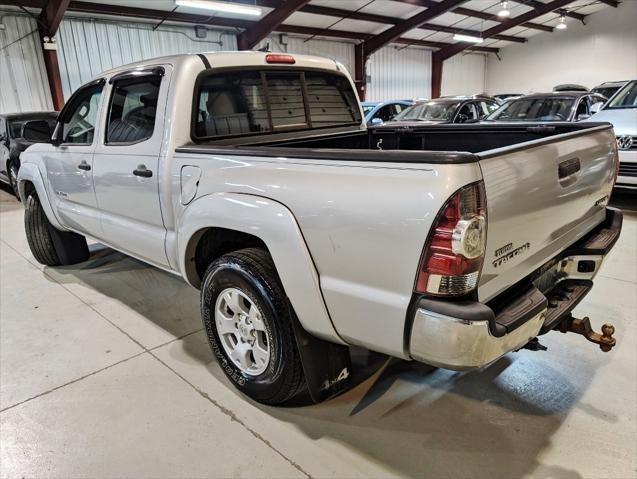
pixel 12 171
pixel 48 245
pixel 252 271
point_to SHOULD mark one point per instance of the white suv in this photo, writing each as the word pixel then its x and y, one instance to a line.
pixel 621 111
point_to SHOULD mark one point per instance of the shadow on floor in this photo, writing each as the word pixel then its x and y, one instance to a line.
pixel 411 418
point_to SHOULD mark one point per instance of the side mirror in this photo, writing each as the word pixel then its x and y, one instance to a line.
pixel 376 122
pixel 595 107
pixel 583 116
pixel 36 131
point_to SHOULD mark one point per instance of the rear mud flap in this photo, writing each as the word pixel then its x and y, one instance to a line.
pixel 327 366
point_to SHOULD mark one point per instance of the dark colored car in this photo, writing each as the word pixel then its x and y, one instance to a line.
pixel 609 88
pixel 556 106
pixel 38 127
pixel 455 109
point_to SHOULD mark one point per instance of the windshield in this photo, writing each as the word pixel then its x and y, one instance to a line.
pixel 535 109
pixel 367 108
pixel 605 91
pixel 625 98
pixel 430 111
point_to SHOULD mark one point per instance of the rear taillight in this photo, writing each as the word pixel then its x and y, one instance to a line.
pixel 452 258
pixel 276 58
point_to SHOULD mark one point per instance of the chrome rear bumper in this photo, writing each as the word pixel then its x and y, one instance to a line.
pixel 467 335
pixel 454 343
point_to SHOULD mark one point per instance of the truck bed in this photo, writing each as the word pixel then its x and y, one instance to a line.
pixel 435 144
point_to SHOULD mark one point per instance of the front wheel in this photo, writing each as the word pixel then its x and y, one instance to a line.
pixel 249 326
pixel 49 245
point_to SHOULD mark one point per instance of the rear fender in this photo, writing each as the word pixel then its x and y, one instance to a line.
pixel 29 172
pixel 275 225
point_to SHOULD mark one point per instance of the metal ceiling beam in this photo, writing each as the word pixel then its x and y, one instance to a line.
pixel 378 41
pixel 476 14
pixel 536 4
pixel 372 17
pixel 150 14
pixel 452 50
pixel 251 36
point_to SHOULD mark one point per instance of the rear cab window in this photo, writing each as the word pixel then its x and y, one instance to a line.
pixel 252 102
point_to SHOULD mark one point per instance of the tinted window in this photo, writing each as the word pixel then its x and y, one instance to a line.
pixel 467 113
pixel 535 109
pixel 79 119
pixel 132 110
pixel 429 111
pixel 626 97
pixel 606 91
pixel 487 107
pixel 16 126
pixel 241 103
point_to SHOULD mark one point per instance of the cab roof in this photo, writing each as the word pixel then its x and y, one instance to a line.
pixel 232 59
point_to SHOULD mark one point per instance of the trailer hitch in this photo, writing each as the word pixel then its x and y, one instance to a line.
pixel 583 326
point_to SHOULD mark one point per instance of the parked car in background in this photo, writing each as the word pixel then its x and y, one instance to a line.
pixel 621 111
pixel 570 87
pixel 39 126
pixel 377 113
pixel 454 109
pixel 609 88
pixel 502 97
pixel 557 106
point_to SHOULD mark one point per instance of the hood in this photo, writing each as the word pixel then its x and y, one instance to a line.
pixel 624 120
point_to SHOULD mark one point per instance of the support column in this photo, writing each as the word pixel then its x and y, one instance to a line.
pixel 360 71
pixel 436 75
pixel 53 74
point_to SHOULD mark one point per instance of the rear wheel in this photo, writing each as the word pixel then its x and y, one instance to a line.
pixel 249 326
pixel 49 245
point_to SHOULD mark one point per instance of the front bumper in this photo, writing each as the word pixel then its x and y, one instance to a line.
pixel 627 169
pixel 468 334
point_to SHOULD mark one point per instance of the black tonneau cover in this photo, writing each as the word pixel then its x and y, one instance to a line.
pixel 435 144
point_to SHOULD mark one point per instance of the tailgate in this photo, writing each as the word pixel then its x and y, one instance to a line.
pixel 542 196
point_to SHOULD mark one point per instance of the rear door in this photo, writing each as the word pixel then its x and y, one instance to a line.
pixel 541 197
pixel 126 163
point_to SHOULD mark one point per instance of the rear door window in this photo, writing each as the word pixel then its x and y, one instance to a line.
pixel 252 102
pixel 132 110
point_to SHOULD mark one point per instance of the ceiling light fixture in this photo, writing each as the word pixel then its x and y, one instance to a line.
pixel 504 9
pixel 562 25
pixel 224 7
pixel 467 38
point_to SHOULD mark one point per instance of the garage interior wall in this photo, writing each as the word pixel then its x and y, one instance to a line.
pixel 464 75
pixel 399 73
pixel 22 72
pixel 88 47
pixel 605 49
pixel 340 51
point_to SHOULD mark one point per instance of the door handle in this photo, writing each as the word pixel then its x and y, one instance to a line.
pixel 143 172
pixel 84 166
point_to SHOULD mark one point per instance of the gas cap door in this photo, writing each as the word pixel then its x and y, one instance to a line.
pixel 190 176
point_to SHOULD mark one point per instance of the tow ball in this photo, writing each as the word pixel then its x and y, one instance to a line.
pixel 583 326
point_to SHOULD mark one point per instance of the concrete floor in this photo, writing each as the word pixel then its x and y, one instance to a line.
pixel 105 372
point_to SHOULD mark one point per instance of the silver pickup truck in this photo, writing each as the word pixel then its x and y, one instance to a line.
pixel 253 176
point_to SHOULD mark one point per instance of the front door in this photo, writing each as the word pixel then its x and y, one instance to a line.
pixel 69 165
pixel 126 164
